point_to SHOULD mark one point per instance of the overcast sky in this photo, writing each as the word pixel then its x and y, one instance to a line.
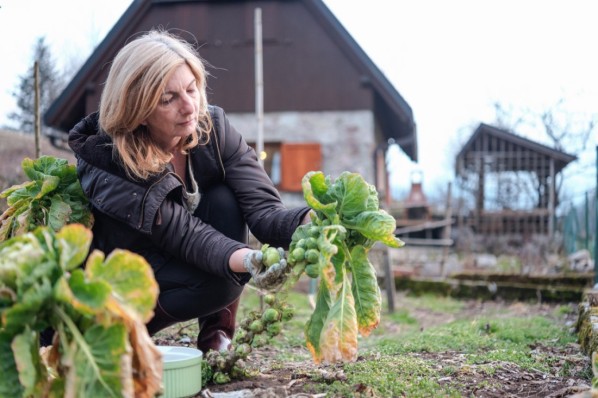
pixel 450 60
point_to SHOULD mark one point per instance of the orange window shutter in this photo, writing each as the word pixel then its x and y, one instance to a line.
pixel 296 160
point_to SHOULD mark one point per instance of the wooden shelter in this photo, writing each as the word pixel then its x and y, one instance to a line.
pixel 513 181
pixel 327 105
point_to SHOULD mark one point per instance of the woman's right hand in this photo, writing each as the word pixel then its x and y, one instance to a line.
pixel 265 277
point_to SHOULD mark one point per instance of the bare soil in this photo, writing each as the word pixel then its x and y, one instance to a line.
pixel 278 378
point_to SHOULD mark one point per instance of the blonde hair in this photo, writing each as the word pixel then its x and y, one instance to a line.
pixel 133 89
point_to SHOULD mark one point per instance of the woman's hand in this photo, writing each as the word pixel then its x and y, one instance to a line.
pixel 266 277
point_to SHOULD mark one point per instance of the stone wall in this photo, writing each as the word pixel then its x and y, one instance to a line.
pixel 346 138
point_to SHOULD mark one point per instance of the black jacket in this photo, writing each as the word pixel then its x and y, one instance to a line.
pixel 147 217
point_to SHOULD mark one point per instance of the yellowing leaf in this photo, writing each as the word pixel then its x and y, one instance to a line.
pixel 132 280
pixel 313 328
pixel 73 242
pixel 87 297
pixel 338 341
pixel 366 292
pixel 147 360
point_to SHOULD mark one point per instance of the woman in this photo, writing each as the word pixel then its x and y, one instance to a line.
pixel 170 179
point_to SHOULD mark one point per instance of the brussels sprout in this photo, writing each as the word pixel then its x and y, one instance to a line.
pixel 238 370
pixel 271 257
pixel 269 299
pixel 270 315
pixel 212 356
pixel 311 243
pixel 243 350
pixel 259 341
pixel 244 324
pixel 298 254
pixel 221 378
pixel 301 243
pixel 312 256
pixel 274 329
pixel 313 270
pixel 287 313
pixel 256 326
pixel 221 363
pixel 313 231
pixel 241 335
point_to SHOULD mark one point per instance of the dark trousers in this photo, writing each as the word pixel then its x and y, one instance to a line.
pixel 186 292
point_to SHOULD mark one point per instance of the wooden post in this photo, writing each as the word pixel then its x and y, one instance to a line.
pixel 551 200
pixel 259 94
pixel 389 279
pixel 36 111
pixel 446 233
pixel 596 225
pixel 259 85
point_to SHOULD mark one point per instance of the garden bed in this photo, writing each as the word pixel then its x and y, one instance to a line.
pixel 430 346
pixel 490 286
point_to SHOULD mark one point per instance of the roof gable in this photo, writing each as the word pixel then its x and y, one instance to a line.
pixel 515 152
pixel 396 118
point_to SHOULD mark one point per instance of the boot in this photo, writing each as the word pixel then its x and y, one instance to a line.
pixel 216 330
pixel 161 320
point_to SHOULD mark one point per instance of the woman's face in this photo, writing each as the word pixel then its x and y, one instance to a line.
pixel 175 117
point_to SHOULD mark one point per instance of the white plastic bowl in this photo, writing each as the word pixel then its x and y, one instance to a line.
pixel 182 371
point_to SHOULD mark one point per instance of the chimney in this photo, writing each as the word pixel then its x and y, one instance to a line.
pixel 416 203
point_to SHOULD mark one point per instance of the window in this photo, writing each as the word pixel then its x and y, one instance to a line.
pixel 296 160
pixel 287 163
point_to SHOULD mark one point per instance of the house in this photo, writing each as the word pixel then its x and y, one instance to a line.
pixel 326 104
pixel 513 181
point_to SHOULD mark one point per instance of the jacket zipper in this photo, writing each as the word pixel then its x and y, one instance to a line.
pixel 220 158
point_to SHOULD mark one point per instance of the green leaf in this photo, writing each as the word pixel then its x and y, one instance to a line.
pixel 59 213
pixel 315 186
pixel 375 225
pixel 80 213
pixel 32 372
pixel 366 292
pixel 53 198
pixel 28 310
pixel 14 193
pixel 44 166
pixel 313 327
pixel 352 193
pixel 73 242
pixel 87 297
pixel 132 280
pixel 373 202
pixel 99 365
pixel 338 340
pixel 10 386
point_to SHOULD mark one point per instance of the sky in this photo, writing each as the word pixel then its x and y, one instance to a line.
pixel 450 60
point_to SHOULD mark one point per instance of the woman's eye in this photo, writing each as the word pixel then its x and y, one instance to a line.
pixel 166 101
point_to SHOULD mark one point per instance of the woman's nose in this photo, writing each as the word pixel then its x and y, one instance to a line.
pixel 187 105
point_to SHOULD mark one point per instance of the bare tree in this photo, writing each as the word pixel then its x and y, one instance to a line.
pixel 51 84
pixel 567 131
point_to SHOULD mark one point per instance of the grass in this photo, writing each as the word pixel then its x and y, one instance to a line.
pixel 399 359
